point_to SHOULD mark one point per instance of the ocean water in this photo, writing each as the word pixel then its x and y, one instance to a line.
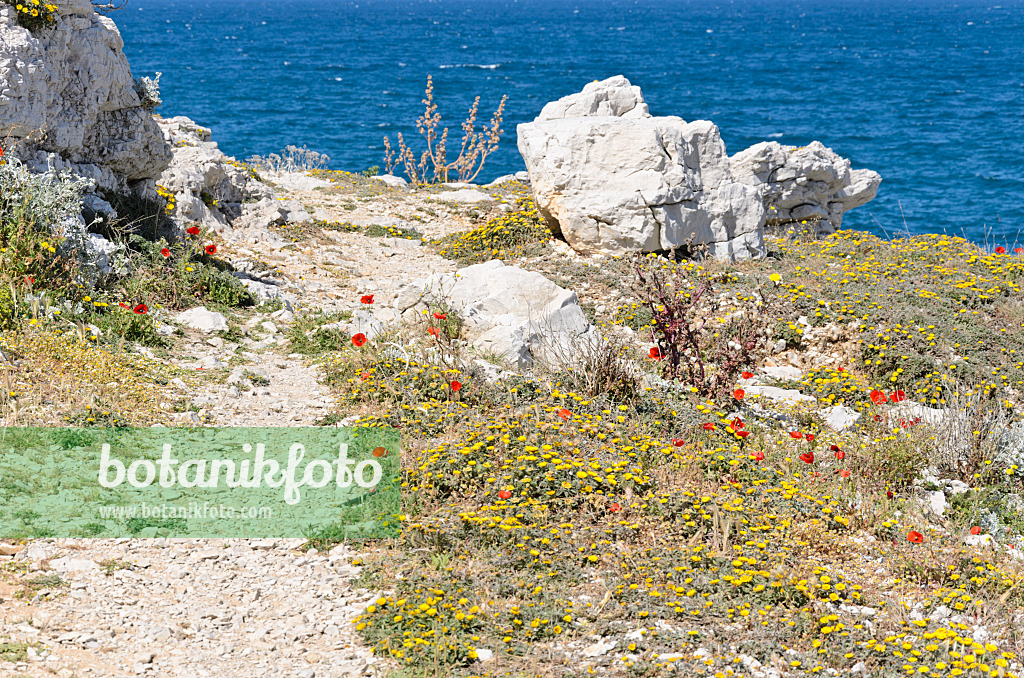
pixel 929 93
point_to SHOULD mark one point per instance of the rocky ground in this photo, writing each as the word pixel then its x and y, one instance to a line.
pixel 272 607
pixel 180 607
pixel 223 608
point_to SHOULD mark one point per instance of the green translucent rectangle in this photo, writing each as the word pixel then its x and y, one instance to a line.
pixel 199 482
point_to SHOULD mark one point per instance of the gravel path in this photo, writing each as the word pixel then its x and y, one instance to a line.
pixel 184 607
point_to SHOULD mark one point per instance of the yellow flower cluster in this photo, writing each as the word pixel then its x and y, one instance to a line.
pixel 34 14
pixel 168 197
pixel 508 236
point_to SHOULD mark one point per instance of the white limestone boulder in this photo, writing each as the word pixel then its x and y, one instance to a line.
pixel 202 319
pixel 271 212
pixel 611 179
pixel 508 311
pixel 811 184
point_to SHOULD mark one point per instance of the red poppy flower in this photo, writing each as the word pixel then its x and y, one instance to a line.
pixel 441 316
pixel 878 417
pixel 975 530
pixel 889 494
pixel 359 339
pixel 709 426
pixel 504 494
pixel 365 375
pixel 758 456
pixel 165 252
pixel 211 249
pixel 840 369
pixel 844 473
pixel 833 448
pixel 897 396
pixel 615 508
pixel 877 397
pixel 737 423
pixel 432 331
pixel 193 230
pixel 564 414
pixel 796 435
pixel 840 455
pixel 1000 250
pixel 807 457
pixel 915 537
pixel 29 280
pixel 743 434
pixel 366 299
pixel 1018 250
pixel 678 442
pixel 655 353
pixel 747 375
pixel 141 309
pixel 456 386
pixel 738 394
pixel 810 437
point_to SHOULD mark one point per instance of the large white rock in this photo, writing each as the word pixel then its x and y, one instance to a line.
pixel 810 184
pixel 511 312
pixel 67 96
pixel 202 319
pixel 208 188
pixel 612 179
pixel 271 212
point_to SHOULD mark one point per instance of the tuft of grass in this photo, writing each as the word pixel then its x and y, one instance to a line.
pixel 307 336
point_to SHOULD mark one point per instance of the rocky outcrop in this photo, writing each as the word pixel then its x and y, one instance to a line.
pixel 611 178
pixel 209 187
pixel 68 100
pixel 811 186
pixel 509 312
pixel 614 97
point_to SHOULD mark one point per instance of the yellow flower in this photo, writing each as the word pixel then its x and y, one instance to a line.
pixel 775 277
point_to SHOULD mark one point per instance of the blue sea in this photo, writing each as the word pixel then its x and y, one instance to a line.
pixel 928 93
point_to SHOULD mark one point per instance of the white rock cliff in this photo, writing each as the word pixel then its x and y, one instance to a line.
pixel 67 99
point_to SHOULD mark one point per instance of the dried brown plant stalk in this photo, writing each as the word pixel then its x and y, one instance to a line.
pixel 433 165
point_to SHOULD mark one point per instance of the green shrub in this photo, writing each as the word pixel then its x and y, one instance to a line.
pixel 39 228
pixel 133 324
pixel 34 14
pixel 177 275
pixel 138 215
pixel 7 308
